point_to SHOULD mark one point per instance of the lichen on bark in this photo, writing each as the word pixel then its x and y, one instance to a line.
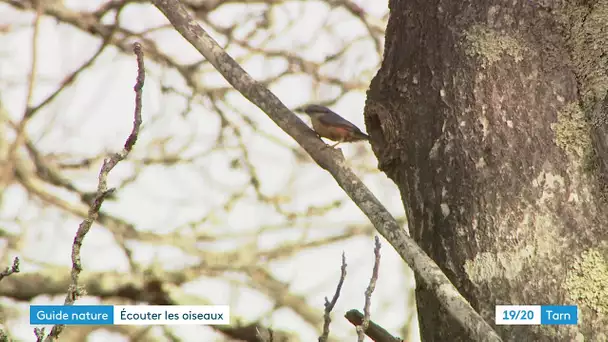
pixel 572 131
pixel 491 46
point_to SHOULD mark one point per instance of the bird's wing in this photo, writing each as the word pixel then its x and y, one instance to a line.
pixel 334 119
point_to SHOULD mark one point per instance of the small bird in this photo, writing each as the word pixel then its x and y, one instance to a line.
pixel 331 125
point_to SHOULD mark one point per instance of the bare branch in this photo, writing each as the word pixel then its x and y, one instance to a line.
pixel 39 333
pixel 68 80
pixel 264 281
pixel 368 292
pixel 10 270
pixel 374 331
pixel 331 160
pixel 74 290
pixel 34 64
pixel 330 305
pixel 20 127
pixel 3 337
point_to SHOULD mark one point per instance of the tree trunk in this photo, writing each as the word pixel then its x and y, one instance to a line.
pixel 490 118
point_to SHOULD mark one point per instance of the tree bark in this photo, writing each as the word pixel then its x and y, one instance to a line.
pixel 491 118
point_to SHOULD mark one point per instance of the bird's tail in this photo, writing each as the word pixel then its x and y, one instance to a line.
pixel 361 136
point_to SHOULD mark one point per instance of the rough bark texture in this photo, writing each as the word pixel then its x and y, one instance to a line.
pixel 490 117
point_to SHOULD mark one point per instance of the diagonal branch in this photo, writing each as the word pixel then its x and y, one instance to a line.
pixel 332 161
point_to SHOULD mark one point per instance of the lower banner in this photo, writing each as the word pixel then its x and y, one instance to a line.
pixel 129 314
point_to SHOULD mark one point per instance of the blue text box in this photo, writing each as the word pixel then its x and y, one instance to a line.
pixel 558 314
pixel 71 314
pixel 517 315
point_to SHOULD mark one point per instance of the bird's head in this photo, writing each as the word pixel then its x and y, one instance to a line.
pixel 313 110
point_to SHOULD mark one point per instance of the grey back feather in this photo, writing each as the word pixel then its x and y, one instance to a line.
pixel 327 116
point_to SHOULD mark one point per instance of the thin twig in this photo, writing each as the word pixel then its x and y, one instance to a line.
pixel 330 305
pixel 265 335
pixel 368 292
pixel 69 79
pixel 34 65
pixel 3 337
pixel 74 290
pixel 20 127
pixel 39 333
pixel 10 270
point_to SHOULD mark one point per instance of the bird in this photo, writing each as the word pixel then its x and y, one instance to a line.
pixel 332 126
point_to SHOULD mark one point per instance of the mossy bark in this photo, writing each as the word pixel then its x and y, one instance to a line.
pixel 488 115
